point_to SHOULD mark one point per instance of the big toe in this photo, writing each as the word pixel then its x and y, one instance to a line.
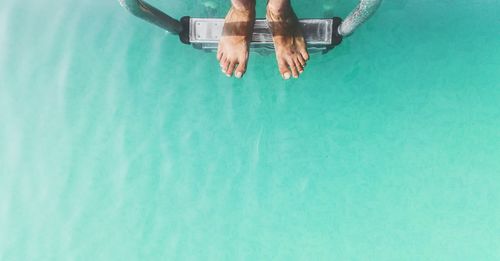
pixel 242 66
pixel 284 70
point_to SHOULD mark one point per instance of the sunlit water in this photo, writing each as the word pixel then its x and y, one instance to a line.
pixel 119 143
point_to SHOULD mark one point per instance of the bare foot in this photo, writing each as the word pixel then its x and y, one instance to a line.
pixel 234 43
pixel 290 46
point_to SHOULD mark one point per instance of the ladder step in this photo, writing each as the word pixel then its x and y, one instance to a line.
pixel 204 33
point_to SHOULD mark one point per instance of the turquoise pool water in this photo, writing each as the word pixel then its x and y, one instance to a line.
pixel 119 143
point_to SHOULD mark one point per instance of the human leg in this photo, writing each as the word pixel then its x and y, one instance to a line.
pixel 233 47
pixel 290 46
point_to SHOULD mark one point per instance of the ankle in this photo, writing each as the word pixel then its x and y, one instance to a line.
pixel 243 7
pixel 279 8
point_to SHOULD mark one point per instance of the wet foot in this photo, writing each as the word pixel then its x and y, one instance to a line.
pixel 290 46
pixel 235 40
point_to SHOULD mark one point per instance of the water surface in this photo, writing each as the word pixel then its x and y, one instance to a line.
pixel 119 143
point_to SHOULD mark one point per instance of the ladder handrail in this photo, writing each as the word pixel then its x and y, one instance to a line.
pixel 145 11
pixel 359 15
pixel 149 13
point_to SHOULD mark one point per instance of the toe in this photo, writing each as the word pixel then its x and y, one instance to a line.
pixel 304 54
pixel 295 73
pixel 230 69
pixel 285 72
pixel 224 64
pixel 301 47
pixel 301 60
pixel 219 54
pixel 242 67
pixel 299 65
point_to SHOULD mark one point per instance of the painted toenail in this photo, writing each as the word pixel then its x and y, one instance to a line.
pixel 286 76
pixel 238 74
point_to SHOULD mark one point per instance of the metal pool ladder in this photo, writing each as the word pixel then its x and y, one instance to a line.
pixel 321 35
